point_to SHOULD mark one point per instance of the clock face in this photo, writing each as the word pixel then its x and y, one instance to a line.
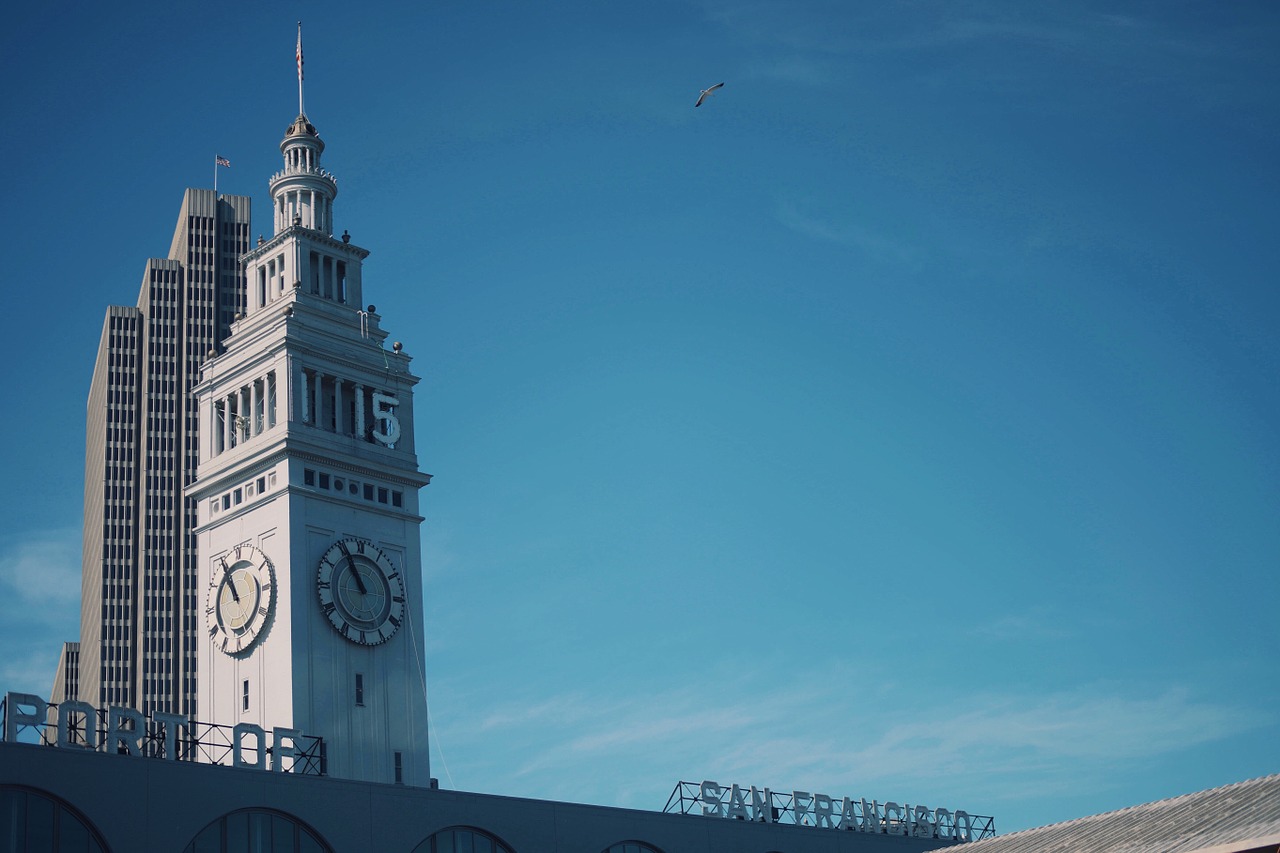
pixel 361 591
pixel 241 599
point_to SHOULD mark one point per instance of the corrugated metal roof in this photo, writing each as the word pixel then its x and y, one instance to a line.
pixel 1238 817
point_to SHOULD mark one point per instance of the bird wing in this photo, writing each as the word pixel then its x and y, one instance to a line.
pixel 705 92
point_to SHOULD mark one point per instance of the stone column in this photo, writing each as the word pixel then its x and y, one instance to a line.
pixel 270 388
pixel 338 426
pixel 227 443
pixel 319 401
pixel 255 425
pixel 215 431
pixel 302 393
pixel 359 391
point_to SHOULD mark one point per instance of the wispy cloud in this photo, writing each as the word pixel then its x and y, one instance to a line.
pixel 1035 625
pixel 814 734
pixel 798 69
pixel 819 26
pixel 39 602
pixel 30 667
pixel 994 736
pixel 815 41
pixel 850 234
pixel 41 571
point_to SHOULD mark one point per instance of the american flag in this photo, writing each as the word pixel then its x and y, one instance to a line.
pixel 221 161
pixel 299 51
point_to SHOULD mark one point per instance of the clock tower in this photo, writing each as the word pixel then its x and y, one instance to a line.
pixel 308 542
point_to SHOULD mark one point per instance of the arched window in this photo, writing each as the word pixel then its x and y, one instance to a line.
pixel 462 839
pixel 630 847
pixel 32 821
pixel 257 831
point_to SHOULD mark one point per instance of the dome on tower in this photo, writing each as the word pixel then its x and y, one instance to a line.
pixel 301 126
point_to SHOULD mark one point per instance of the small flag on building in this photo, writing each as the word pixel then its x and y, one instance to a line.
pixel 222 161
pixel 299 50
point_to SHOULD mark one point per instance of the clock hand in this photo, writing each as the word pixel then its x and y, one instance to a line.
pixel 351 564
pixel 226 576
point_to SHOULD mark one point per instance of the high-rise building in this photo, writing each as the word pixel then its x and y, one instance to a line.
pixel 138 625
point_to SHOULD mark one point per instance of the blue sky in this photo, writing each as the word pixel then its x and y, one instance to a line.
pixel 901 423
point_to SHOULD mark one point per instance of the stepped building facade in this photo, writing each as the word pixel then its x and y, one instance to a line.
pixel 139 588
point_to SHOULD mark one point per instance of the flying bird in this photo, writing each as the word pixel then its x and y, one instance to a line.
pixel 706 93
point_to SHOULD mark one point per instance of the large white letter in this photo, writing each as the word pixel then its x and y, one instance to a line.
pixel 65 732
pixel 923 823
pixel 847 818
pixel 870 816
pixel 762 804
pixel 171 723
pixel 737 803
pixel 237 752
pixel 119 736
pixel 893 820
pixel 15 719
pixel 800 806
pixel 711 798
pixel 279 752
pixel 942 820
pixel 822 810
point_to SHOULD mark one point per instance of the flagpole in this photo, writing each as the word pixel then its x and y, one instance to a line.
pixel 301 111
pixel 215 178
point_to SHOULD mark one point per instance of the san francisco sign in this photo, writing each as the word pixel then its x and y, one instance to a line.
pixel 803 808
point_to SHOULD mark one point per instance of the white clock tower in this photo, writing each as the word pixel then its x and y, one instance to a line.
pixel 307 487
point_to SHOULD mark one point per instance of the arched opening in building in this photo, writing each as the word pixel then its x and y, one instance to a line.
pixel 630 847
pixel 33 821
pixel 463 839
pixel 257 831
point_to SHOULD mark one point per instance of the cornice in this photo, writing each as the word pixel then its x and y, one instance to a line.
pixel 307 234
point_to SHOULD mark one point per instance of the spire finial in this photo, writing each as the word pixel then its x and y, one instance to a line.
pixel 301 111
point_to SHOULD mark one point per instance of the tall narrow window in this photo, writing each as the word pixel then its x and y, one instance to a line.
pixel 244 705
pixel 399 768
pixel 359 690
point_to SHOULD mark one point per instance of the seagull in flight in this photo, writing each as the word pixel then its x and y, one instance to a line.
pixel 706 93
